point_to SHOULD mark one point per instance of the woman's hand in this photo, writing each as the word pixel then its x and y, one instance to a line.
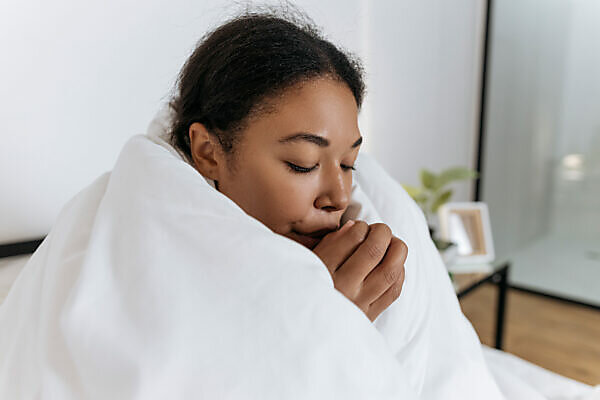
pixel 366 263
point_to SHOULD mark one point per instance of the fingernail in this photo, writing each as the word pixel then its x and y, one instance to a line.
pixel 347 225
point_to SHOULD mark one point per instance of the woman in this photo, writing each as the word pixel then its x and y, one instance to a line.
pixel 152 284
pixel 268 110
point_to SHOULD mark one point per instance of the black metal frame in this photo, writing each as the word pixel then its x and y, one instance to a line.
pixel 19 248
pixel 536 292
pixel 483 99
pixel 500 278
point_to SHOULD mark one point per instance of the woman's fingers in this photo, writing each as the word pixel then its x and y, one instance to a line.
pixel 337 246
pixel 366 264
pixel 388 273
pixel 366 257
pixel 385 300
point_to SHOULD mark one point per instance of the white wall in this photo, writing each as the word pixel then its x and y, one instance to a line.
pixel 424 62
pixel 79 79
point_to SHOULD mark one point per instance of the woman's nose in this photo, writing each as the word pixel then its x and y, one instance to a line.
pixel 335 190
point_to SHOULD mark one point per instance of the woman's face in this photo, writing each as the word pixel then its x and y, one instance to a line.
pixel 292 168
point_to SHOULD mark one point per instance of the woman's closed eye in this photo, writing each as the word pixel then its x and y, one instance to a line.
pixel 304 170
pixel 297 168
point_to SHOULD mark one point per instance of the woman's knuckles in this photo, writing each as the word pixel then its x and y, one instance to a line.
pixel 377 242
pixel 397 251
pixel 396 290
pixel 358 232
pixel 400 247
pixel 380 232
pixel 380 248
pixel 391 275
pixel 375 250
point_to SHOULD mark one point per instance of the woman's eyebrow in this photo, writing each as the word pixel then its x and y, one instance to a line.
pixel 312 138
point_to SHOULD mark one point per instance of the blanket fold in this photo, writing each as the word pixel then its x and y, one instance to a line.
pixel 152 284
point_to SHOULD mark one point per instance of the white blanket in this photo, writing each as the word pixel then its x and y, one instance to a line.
pixel 522 380
pixel 154 285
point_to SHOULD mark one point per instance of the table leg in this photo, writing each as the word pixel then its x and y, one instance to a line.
pixel 502 282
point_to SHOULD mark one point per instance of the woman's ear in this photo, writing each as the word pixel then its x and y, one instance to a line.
pixel 206 151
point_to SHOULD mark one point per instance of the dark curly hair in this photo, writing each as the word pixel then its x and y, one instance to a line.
pixel 239 66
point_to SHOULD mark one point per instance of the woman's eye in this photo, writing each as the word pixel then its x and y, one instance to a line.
pixel 305 170
pixel 299 169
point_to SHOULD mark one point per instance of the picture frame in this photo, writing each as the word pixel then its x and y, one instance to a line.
pixel 468 225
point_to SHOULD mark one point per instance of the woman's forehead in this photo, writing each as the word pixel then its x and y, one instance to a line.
pixel 321 111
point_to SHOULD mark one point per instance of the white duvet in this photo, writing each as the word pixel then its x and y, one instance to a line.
pixel 153 285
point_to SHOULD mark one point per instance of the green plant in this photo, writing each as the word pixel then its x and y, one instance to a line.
pixel 433 191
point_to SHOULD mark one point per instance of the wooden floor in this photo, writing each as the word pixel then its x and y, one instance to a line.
pixel 558 336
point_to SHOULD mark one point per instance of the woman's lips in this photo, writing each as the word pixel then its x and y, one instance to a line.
pixel 311 239
pixel 318 234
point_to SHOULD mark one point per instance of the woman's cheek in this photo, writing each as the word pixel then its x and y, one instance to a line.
pixel 296 198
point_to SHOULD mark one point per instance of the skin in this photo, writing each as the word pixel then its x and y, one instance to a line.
pixel 292 170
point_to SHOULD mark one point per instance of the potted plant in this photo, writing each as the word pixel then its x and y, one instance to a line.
pixel 433 193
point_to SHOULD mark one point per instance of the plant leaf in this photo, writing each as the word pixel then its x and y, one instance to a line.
pixel 421 199
pixel 416 193
pixel 455 174
pixel 441 199
pixel 428 179
pixel 412 191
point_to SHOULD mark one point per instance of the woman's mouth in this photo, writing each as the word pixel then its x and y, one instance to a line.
pixel 310 239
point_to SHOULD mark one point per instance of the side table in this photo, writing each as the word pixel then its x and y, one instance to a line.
pixel 468 278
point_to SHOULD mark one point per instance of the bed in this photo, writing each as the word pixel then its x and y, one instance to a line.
pixel 118 274
pixel 509 371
